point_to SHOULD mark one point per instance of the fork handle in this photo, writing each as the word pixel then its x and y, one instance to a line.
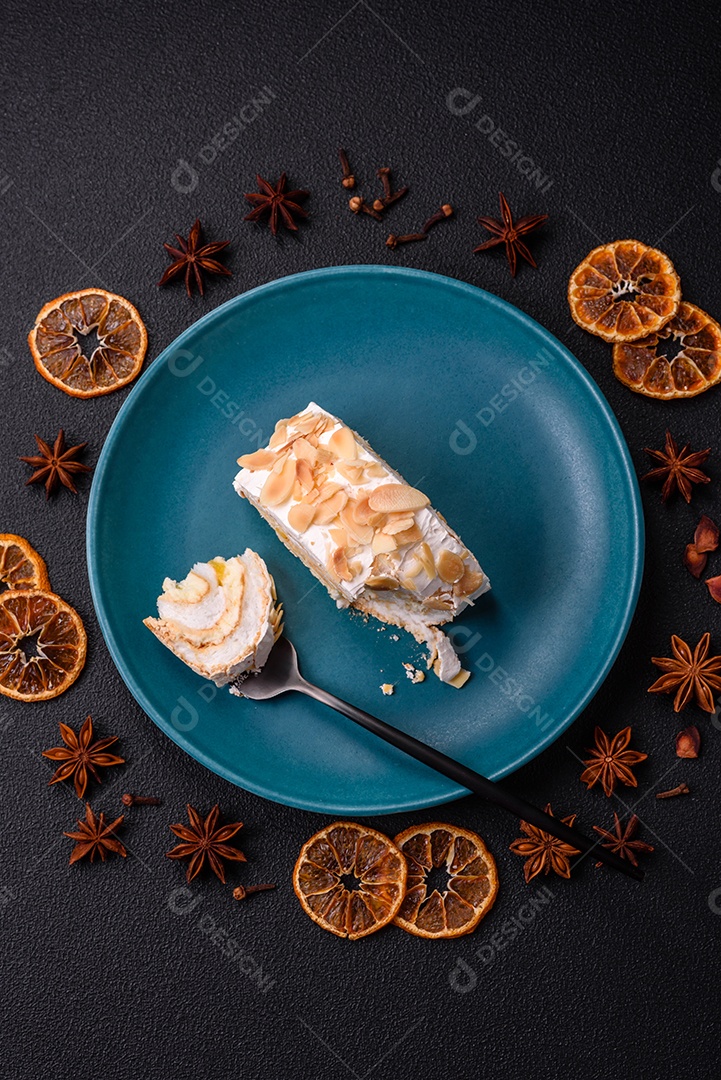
pixel 470 779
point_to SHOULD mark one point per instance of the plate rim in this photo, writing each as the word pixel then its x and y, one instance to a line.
pixel 155 369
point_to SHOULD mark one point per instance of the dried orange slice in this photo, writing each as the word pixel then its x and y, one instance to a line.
pixel 57 342
pixel 469 889
pixel 695 367
pixel 20 565
pixel 624 291
pixel 350 879
pixel 31 620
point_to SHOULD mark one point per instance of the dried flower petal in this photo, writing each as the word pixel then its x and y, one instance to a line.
pixel 714 587
pixel 688 742
pixel 694 560
pixel 706 536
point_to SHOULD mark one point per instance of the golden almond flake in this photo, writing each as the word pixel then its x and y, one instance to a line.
pixel 297 492
pixel 305 424
pixel 329 509
pixel 392 498
pixel 279 437
pixel 460 679
pixel 363 534
pixel 450 566
pixel 350 472
pixel 409 536
pixel 305 475
pixel 328 489
pixel 382 582
pixel 340 565
pixel 471 580
pixel 398 523
pixel 339 537
pixel 425 555
pixel 300 517
pixel 305 451
pixel 260 459
pixel 382 543
pixel 279 485
pixel 342 443
pixel 413 568
pixel 376 470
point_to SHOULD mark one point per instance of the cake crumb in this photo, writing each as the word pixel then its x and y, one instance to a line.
pixel 414 674
pixel 395 637
pixel 388 688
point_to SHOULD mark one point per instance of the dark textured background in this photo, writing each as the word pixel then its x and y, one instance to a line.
pixel 113 970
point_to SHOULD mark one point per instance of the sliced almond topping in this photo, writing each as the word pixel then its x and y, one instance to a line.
pixel 328 489
pixel 382 582
pixel 279 485
pixel 425 554
pixel 409 536
pixel 450 566
pixel 355 567
pixel 382 543
pixel 413 568
pixel 362 512
pixel 304 474
pixel 363 534
pixel 328 510
pixel 408 583
pixel 391 498
pixel 471 580
pixel 305 451
pixel 261 459
pixel 339 537
pixel 324 455
pixel 343 444
pixel 398 523
pixel 300 517
pixel 353 473
pixel 340 565
pixel 279 436
pixel 376 470
pixel 460 679
pixel 306 423
pixel 297 493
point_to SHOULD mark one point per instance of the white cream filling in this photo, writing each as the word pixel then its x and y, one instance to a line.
pixel 222 632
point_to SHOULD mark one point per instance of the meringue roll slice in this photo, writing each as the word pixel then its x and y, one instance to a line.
pixel 223 619
pixel 374 542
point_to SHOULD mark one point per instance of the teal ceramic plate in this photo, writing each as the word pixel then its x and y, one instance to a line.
pixel 474 403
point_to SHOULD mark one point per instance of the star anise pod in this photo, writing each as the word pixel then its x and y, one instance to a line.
pixel 194 259
pixel 621 842
pixel 689 673
pixel 509 232
pixel 56 465
pixel 81 756
pixel 95 837
pixel 542 851
pixel 278 203
pixel 678 469
pixel 203 840
pixel 610 761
